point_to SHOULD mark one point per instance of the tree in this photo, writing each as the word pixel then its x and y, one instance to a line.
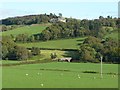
pixel 21 53
pixel 11 51
pixel 46 35
pixel 4 52
pixel 31 38
pixel 35 51
pixel 87 54
pixel 22 38
pixel 53 55
pixel 60 14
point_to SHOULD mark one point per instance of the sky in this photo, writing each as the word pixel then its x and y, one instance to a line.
pixel 79 10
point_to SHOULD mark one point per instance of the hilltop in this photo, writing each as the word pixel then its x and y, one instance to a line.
pixel 31 34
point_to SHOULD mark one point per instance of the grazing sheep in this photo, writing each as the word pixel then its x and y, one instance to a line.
pixel 65 59
pixel 26 74
pixel 42 84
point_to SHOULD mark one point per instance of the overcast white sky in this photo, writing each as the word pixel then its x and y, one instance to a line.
pixel 69 8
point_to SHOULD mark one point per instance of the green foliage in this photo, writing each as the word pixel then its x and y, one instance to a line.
pixel 22 38
pixel 28 20
pixel 10 27
pixel 87 54
pixel 13 52
pixel 21 53
pixel 92 48
pixel 53 55
pixel 35 51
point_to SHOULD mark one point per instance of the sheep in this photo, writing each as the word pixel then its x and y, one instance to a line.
pixel 26 74
pixel 42 84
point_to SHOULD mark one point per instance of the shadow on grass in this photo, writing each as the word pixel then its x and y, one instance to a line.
pixel 73 54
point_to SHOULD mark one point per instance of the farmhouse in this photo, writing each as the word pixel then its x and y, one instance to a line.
pixel 60 19
pixel 65 59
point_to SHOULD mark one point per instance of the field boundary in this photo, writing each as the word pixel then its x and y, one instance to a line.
pixel 27 62
pixel 61 49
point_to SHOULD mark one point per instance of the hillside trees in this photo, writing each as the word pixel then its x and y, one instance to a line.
pixel 22 38
pixel 87 53
pixel 9 27
pixel 93 47
pixel 28 20
pixel 10 51
pixel 35 51
pixel 72 28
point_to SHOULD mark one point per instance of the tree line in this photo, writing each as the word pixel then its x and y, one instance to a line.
pixel 11 51
pixel 28 20
pixel 9 27
pixel 93 48
pixel 73 28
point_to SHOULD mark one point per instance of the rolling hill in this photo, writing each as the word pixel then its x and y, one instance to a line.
pixel 29 29
pixel 56 44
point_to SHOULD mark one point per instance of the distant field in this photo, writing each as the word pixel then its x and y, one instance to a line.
pixel 46 54
pixel 59 75
pixel 61 44
pixel 113 35
pixel 33 29
pixel 9 61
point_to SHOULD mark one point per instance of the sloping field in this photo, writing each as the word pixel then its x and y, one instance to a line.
pixel 33 29
pixel 113 35
pixel 57 44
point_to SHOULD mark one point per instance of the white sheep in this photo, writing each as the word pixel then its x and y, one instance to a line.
pixel 42 84
pixel 26 74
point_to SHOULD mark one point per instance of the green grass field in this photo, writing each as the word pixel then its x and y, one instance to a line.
pixel 33 29
pixel 59 44
pixel 59 75
pixel 46 54
pixel 113 35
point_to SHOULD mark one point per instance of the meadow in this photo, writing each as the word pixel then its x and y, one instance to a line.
pixel 60 75
pixel 56 44
pixel 113 35
pixel 46 54
pixel 30 29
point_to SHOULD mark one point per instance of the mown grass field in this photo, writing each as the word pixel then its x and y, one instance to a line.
pixel 33 29
pixel 59 44
pixel 59 75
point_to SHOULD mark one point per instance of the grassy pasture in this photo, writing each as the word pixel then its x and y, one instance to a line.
pixel 45 54
pixel 113 35
pixel 33 29
pixel 59 44
pixel 59 75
